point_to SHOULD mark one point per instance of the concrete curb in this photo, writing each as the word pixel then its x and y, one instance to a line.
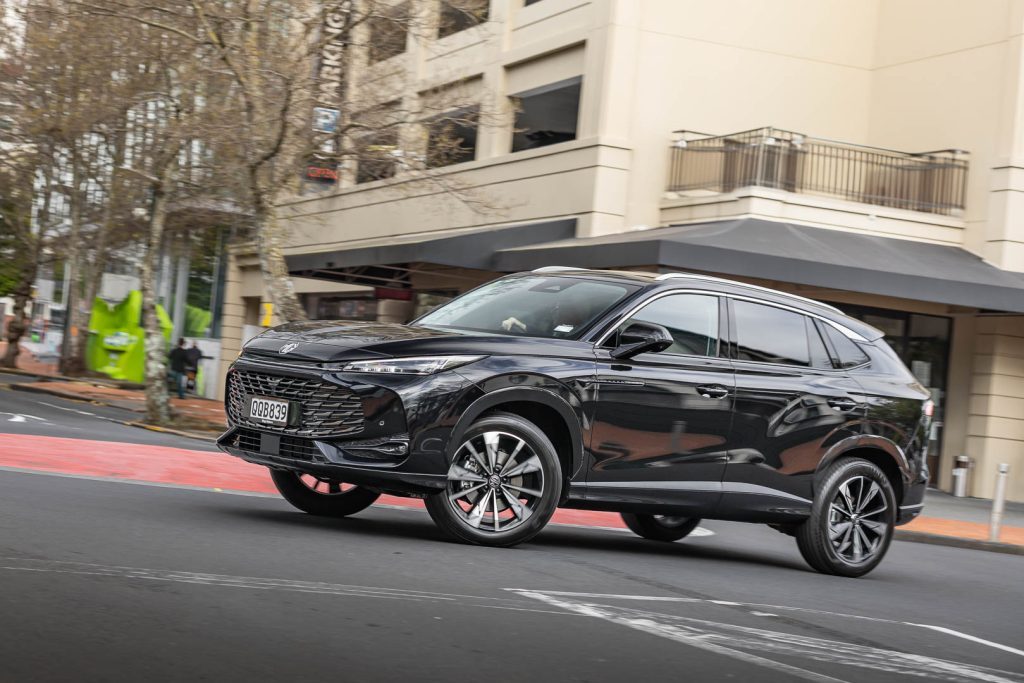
pixel 958 542
pixel 212 437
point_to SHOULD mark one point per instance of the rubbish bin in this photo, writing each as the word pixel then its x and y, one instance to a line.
pixel 961 475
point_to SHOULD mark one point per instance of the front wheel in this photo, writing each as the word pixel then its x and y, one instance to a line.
pixel 323 497
pixel 660 527
pixel 851 522
pixel 503 483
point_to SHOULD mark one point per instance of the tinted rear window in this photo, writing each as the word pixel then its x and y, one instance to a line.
pixel 770 335
pixel 850 355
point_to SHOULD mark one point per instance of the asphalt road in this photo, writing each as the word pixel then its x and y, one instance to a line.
pixel 104 580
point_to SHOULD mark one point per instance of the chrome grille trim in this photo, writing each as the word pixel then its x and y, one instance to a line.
pixel 326 409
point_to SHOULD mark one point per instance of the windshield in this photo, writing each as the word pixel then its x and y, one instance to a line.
pixel 553 307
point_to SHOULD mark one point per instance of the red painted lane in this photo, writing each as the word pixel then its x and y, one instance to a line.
pixel 167 465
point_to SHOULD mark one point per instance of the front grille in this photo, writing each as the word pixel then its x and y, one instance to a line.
pixel 292 447
pixel 326 409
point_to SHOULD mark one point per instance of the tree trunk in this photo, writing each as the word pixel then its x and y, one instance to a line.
pixel 70 349
pixel 158 411
pixel 276 279
pixel 16 328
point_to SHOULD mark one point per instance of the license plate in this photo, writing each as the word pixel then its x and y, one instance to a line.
pixel 268 410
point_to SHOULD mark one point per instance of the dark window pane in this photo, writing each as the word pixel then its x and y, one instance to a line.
pixel 819 353
pixel 547 115
pixel 388 33
pixel 692 321
pixel 452 138
pixel 850 355
pixel 770 335
pixel 376 155
pixel 458 15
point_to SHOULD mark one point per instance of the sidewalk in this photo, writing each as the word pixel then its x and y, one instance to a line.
pixel 194 414
pixel 946 520
pixel 29 362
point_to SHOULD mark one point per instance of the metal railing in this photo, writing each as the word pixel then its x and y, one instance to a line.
pixel 933 182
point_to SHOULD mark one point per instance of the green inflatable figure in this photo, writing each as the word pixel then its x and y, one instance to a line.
pixel 116 345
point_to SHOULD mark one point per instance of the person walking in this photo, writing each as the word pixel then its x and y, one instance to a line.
pixel 192 356
pixel 179 361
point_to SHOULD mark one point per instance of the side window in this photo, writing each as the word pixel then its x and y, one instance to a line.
pixel 850 355
pixel 820 357
pixel 691 319
pixel 771 335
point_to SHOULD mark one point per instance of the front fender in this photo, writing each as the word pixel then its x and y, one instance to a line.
pixel 518 394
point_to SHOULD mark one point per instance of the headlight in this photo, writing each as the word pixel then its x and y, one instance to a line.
pixel 409 366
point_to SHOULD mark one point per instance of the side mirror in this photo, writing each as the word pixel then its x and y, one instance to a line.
pixel 641 338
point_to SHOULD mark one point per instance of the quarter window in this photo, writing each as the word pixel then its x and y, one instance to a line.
pixel 770 335
pixel 691 319
pixel 850 355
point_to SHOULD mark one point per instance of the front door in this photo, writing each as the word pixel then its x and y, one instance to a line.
pixel 661 429
pixel 792 405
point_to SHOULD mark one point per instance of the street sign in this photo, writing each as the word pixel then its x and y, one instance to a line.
pixel 325 120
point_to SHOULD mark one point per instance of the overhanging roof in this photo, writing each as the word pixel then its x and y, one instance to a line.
pixel 389 261
pixel 794 253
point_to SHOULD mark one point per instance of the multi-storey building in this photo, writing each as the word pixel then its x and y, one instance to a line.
pixel 786 144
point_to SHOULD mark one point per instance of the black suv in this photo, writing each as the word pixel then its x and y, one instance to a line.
pixel 667 398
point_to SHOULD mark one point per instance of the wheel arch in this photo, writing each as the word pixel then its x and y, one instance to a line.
pixel 552 415
pixel 883 453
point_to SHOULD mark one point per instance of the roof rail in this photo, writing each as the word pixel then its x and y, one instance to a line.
pixel 552 269
pixel 708 278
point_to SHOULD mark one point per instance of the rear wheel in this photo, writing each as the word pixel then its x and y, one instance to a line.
pixel 851 522
pixel 503 483
pixel 323 497
pixel 660 527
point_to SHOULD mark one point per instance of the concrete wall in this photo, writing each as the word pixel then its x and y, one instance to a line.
pixel 996 419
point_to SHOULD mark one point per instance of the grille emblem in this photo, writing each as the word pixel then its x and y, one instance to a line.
pixel 288 348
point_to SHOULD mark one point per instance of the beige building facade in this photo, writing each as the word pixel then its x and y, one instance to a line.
pixel 778 143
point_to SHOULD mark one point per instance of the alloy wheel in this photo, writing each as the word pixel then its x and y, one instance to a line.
pixel 324 487
pixel 857 525
pixel 496 482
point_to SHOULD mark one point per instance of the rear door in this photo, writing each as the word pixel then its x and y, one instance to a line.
pixel 661 430
pixel 792 405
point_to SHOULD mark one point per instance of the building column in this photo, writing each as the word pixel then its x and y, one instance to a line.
pixel 996 421
pixel 232 319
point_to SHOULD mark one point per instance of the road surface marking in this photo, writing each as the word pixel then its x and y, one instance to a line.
pixel 739 642
pixel 755 605
pixel 20 417
pixel 973 639
pixel 700 641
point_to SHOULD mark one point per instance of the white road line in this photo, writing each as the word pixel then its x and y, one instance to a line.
pixel 787 608
pixel 740 641
pixel 696 640
pixel 973 639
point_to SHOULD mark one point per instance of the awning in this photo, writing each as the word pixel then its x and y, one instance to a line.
pixel 389 261
pixel 799 254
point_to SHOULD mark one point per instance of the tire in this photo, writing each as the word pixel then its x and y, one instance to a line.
pixel 660 527
pixel 322 497
pixel 512 503
pixel 839 538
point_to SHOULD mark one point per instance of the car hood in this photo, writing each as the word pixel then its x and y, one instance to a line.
pixel 343 340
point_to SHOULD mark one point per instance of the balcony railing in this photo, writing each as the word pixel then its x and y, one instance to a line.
pixel 933 182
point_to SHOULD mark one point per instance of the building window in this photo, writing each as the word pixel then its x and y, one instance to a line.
pixel 451 137
pixel 546 115
pixel 388 33
pixel 459 15
pixel 527 3
pixel 377 156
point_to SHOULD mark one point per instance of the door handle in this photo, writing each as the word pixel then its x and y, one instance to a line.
pixel 843 405
pixel 712 391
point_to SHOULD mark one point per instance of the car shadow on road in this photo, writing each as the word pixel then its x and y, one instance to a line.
pixel 418 526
